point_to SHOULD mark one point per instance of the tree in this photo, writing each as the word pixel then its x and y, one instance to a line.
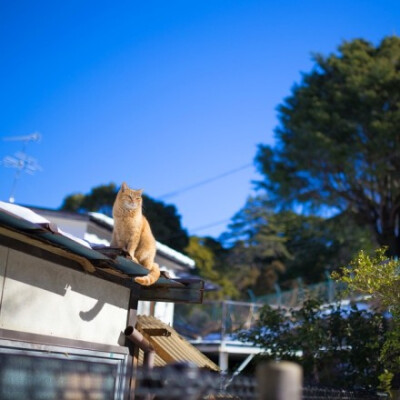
pixel 378 277
pixel 164 218
pixel 336 347
pixel 165 223
pixel 205 251
pixel 257 248
pixel 204 257
pixel 319 245
pixel 269 247
pixel 100 198
pixel 338 141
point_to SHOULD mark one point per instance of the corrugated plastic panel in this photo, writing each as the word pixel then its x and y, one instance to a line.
pixel 172 348
pixel 158 361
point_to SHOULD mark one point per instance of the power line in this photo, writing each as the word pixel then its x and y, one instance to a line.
pixel 211 225
pixel 204 182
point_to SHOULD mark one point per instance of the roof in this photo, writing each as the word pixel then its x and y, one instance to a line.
pixel 24 230
pixel 175 255
pixel 169 346
pixel 108 223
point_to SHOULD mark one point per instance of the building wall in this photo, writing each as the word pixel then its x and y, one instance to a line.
pixel 38 296
pixel 164 311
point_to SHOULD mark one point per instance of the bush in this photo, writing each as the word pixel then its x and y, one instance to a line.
pixel 337 346
pixel 378 277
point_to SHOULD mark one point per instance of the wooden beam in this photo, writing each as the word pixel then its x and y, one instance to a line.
pixel 156 331
pixel 133 360
pixel 84 262
pixel 176 295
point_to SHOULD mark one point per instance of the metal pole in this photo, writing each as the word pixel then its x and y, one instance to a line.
pixel 223 357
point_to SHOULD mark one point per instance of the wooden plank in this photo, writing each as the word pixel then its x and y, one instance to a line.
pixel 176 295
pixel 85 263
pixel 133 350
pixel 156 331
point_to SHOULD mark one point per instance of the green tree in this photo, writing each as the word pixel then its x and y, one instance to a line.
pixel 204 257
pixel 335 346
pixel 257 248
pixel 73 202
pixel 269 247
pixel 338 141
pixel 377 276
pixel 319 245
pixel 100 198
pixel 204 252
pixel 164 218
pixel 165 223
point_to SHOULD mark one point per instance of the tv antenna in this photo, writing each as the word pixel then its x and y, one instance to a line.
pixel 20 160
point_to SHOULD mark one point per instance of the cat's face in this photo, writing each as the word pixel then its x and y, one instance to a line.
pixel 129 198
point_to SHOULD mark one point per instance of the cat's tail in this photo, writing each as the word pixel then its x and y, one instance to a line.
pixel 151 277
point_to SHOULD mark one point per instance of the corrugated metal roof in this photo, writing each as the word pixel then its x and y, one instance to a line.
pixel 171 347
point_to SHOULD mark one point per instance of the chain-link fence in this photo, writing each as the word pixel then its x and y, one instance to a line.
pixel 327 291
pixel 215 321
pixel 220 320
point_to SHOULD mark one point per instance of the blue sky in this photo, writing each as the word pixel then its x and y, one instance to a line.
pixel 160 94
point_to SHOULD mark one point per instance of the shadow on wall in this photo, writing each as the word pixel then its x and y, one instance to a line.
pixel 61 280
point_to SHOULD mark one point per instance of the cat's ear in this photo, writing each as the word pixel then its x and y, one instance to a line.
pixel 140 191
pixel 124 186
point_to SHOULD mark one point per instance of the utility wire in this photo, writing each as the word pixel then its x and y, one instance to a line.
pixel 200 228
pixel 204 182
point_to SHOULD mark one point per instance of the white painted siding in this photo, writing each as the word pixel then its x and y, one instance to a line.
pixel 3 263
pixel 45 298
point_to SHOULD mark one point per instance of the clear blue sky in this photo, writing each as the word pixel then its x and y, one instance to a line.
pixel 160 94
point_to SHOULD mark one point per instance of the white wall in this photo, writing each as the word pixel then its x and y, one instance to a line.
pixel 42 297
pixel 165 312
pixel 3 262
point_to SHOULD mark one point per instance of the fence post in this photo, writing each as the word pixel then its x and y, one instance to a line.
pixel 279 381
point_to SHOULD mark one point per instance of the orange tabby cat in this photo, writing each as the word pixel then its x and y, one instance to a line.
pixel 133 234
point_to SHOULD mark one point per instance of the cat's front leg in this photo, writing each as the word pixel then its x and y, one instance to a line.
pixel 114 240
pixel 131 249
pixel 134 259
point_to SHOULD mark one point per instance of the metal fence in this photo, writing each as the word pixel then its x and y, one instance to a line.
pixel 327 291
pixel 173 382
pixel 215 321
pixel 220 320
pixel 185 382
pixel 312 393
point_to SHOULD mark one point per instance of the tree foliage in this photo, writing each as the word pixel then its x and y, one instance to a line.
pixel 100 199
pixel 165 223
pixel 206 252
pixel 335 346
pixel 269 247
pixel 164 218
pixel 377 276
pixel 338 142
